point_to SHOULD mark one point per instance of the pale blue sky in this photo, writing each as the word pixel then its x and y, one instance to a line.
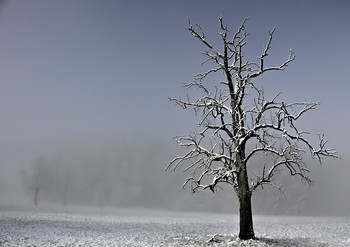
pixel 98 68
pixel 83 67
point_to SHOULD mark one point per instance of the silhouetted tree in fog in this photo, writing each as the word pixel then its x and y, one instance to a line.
pixel 66 185
pixel 34 178
pixel 238 125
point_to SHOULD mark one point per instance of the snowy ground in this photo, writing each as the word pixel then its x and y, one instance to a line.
pixel 69 227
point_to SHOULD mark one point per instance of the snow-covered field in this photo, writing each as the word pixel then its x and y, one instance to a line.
pixel 91 227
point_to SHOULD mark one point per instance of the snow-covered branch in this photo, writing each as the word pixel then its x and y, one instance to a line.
pixel 228 123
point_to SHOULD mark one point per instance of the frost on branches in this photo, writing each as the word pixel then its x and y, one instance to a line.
pixel 237 123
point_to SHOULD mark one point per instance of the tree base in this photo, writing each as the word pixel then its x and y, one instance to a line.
pixel 245 236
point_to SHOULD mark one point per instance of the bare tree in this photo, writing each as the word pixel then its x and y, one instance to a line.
pixel 35 178
pixel 237 124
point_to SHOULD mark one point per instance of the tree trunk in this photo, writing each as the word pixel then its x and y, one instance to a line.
pixel 65 197
pixel 246 230
pixel 65 193
pixel 36 194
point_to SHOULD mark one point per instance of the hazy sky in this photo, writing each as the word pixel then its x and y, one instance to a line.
pixel 106 68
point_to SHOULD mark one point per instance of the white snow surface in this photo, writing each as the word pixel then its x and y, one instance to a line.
pixel 57 227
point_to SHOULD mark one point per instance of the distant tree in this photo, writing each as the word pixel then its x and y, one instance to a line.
pixel 35 177
pixel 63 176
pixel 239 128
pixel 2 187
pixel 66 184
